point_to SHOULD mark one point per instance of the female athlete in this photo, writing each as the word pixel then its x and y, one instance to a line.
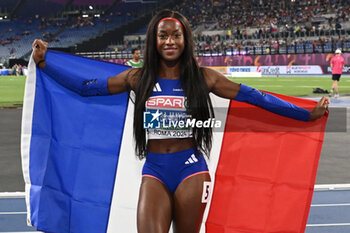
pixel 171 82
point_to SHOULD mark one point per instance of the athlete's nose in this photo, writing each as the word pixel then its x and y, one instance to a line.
pixel 169 40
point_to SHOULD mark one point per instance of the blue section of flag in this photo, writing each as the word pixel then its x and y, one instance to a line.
pixel 74 149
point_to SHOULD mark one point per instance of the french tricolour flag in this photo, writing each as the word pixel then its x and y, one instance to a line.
pixel 82 175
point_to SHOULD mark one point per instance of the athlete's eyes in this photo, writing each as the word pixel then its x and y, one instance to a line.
pixel 163 36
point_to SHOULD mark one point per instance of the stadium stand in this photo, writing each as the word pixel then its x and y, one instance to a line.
pixel 219 26
pixel 260 27
pixel 61 24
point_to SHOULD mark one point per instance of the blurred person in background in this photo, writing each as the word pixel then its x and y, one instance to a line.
pixel 136 61
pixel 337 65
pixel 16 70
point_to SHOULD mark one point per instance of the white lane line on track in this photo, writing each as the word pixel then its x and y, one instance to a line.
pixel 12 194
pixel 330 187
pixel 328 225
pixel 326 205
pixel 5 213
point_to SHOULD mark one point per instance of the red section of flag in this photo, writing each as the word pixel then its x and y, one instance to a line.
pixel 266 172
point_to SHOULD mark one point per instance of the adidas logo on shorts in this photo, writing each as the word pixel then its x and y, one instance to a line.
pixel 191 159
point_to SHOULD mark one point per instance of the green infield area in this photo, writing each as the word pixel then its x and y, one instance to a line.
pixel 11 91
pixel 12 87
pixel 294 86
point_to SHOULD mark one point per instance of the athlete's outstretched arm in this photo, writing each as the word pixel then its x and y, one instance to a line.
pixel 125 81
pixel 81 85
pixel 223 87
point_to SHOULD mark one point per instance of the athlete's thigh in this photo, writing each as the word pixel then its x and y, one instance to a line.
pixel 188 205
pixel 154 210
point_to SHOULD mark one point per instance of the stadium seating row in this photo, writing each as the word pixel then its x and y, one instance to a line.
pixel 16 35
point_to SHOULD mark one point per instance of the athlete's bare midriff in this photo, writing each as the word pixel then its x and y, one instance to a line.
pixel 169 145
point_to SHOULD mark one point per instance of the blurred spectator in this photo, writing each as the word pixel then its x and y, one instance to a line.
pixel 136 61
pixel 16 70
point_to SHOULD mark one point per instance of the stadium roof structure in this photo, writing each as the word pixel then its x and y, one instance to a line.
pixel 10 9
pixel 85 2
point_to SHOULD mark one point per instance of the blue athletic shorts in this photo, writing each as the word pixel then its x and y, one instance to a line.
pixel 172 168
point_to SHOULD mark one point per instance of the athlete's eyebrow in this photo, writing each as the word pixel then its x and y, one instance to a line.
pixel 163 31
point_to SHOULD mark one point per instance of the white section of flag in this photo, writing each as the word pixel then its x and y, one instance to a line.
pixel 26 131
pixel 122 217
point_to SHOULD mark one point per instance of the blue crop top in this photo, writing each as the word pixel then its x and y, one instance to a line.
pixel 167 109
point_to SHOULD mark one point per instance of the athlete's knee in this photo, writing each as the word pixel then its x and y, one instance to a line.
pixel 151 220
pixel 147 225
